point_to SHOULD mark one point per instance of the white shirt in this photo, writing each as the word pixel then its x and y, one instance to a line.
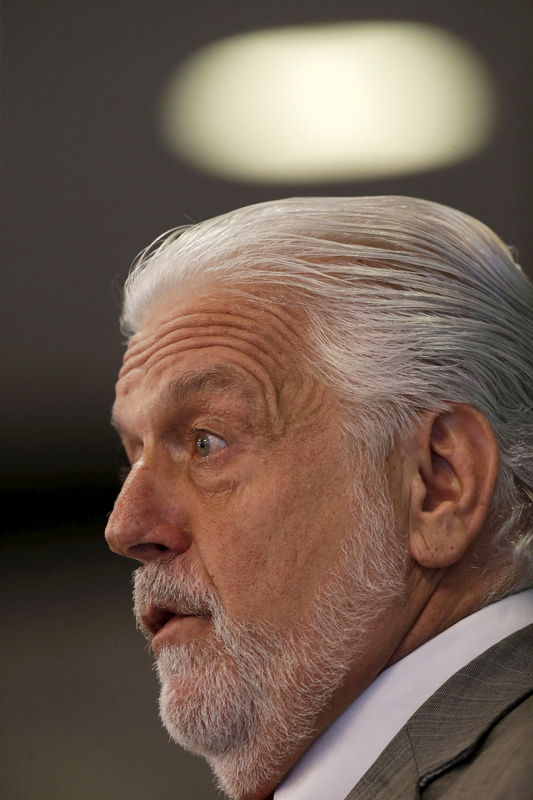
pixel 339 758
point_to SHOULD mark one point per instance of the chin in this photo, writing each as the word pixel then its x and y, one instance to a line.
pixel 201 723
pixel 208 698
pixel 245 709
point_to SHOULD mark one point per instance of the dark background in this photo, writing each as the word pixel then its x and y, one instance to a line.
pixel 86 186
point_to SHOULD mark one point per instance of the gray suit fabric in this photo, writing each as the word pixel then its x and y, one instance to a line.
pixel 472 739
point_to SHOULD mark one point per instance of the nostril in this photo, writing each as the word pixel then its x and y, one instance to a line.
pixel 149 551
pixel 144 541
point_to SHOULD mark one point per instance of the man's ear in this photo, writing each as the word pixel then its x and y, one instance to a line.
pixel 458 460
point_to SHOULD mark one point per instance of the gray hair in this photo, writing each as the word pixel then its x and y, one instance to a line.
pixel 410 305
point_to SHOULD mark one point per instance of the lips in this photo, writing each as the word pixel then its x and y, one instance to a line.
pixel 156 617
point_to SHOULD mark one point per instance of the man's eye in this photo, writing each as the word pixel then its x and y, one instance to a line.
pixel 207 444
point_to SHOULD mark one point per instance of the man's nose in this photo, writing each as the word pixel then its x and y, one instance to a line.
pixel 147 522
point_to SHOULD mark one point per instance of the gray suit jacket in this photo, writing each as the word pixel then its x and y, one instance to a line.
pixel 472 739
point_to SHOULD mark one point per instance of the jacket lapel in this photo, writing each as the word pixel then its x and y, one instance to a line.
pixel 452 723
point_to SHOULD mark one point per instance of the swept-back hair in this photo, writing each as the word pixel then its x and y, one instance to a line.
pixel 410 305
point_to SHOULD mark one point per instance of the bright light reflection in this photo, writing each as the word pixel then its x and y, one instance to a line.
pixel 343 101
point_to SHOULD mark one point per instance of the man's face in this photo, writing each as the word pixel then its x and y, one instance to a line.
pixel 237 458
pixel 239 503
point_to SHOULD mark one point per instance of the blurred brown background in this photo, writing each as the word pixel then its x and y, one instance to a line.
pixel 86 186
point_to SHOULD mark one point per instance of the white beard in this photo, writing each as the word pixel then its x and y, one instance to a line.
pixel 248 695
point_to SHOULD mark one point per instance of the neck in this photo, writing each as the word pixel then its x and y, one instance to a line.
pixel 451 595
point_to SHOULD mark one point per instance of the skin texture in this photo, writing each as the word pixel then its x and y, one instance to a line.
pixel 263 512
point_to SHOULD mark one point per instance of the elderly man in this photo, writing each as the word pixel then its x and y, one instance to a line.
pixel 328 411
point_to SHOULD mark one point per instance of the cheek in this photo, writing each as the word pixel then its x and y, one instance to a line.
pixel 272 539
pixel 245 544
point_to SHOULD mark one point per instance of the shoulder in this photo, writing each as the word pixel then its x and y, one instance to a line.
pixel 471 739
pixel 499 768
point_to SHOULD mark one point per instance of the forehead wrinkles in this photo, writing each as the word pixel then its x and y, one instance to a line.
pixel 265 334
pixel 277 323
pixel 265 337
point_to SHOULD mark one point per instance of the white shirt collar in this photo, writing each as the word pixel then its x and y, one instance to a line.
pixel 339 758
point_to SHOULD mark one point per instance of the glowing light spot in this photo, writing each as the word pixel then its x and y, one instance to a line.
pixel 343 101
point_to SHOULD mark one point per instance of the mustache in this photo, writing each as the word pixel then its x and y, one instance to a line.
pixel 172 584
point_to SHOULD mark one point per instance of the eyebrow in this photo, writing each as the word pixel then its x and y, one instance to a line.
pixel 190 384
pixel 219 376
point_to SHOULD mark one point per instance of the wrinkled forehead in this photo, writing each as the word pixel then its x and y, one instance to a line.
pixel 211 339
pixel 180 321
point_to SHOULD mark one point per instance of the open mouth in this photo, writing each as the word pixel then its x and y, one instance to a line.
pixel 156 618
